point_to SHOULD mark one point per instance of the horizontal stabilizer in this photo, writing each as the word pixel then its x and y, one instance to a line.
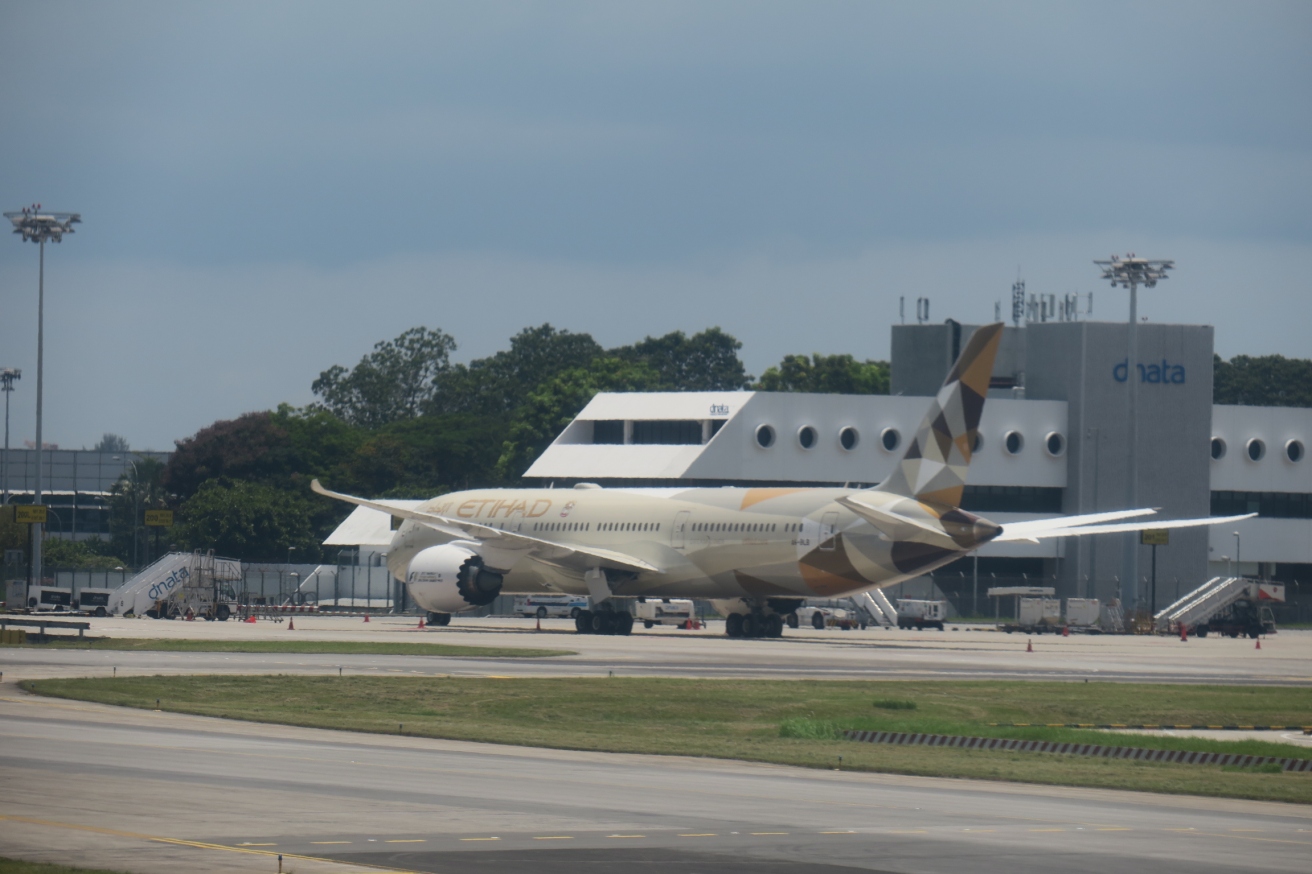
pixel 895 526
pixel 1065 529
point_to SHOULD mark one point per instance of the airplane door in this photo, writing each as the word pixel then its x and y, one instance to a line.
pixel 679 531
pixel 828 532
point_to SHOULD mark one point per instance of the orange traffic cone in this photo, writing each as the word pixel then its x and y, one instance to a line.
pixel 421 622
pixel 366 617
pixel 250 620
pixel 1029 645
pixel 539 628
pixel 1259 643
pixel 291 625
pixel 1184 631
pixel 1065 631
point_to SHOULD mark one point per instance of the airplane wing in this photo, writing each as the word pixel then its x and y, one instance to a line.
pixel 580 557
pixel 1077 526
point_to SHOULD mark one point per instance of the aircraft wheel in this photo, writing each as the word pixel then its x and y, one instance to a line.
pixel 583 622
pixel 733 625
pixel 818 621
pixel 774 625
pixel 601 623
pixel 623 624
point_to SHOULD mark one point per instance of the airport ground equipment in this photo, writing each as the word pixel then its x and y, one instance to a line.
pixel 1216 606
pixel 550 606
pixel 664 611
pixel 826 614
pixel 48 599
pixel 920 614
pixel 876 603
pixel 93 601
pixel 1082 614
pixel 43 624
pixel 180 582
pixel 1017 592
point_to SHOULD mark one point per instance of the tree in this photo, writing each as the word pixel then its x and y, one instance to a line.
pixel 249 521
pixel 554 405
pixel 1264 381
pixel 140 488
pixel 93 554
pixel 112 443
pixel 498 384
pixel 396 381
pixel 252 446
pixel 829 374
pixel 706 361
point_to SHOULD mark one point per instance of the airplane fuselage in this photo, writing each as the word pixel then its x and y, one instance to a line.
pixel 717 543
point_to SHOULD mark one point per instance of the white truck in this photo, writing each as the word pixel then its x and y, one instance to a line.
pixel 664 611
pixel 918 614
pixel 550 606
pixel 822 617
pixel 41 599
pixel 93 601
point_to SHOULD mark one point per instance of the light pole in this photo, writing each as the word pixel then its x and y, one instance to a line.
pixel 1131 272
pixel 136 504
pixel 7 378
pixel 36 226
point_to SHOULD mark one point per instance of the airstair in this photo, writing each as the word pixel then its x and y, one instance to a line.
pixel 1204 602
pixel 876 603
pixel 178 577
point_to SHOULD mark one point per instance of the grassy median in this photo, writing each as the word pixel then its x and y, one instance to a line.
pixel 335 647
pixel 787 722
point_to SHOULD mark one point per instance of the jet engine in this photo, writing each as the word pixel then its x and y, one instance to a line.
pixel 451 578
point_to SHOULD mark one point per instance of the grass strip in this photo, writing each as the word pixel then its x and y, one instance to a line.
pixel 782 721
pixel 17 866
pixel 335 647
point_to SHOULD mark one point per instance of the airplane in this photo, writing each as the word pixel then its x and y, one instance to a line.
pixel 755 553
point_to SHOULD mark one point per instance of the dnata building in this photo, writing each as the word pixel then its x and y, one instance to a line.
pixel 1054 439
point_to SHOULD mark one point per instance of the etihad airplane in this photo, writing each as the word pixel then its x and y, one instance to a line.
pixel 756 553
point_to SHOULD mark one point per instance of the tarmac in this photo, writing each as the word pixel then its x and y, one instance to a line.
pixel 160 792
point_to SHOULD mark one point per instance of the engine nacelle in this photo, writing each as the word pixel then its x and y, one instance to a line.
pixel 451 578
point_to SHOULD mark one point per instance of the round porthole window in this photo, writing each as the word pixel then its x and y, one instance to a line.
pixel 1055 443
pixel 1014 442
pixel 1294 450
pixel 806 437
pixel 1256 449
pixel 977 443
pixel 848 438
pixel 764 436
pixel 890 439
pixel 1218 449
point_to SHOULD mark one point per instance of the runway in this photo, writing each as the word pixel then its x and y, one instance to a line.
pixel 159 792
pixel 1285 659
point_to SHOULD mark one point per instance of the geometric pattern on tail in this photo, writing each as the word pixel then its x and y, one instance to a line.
pixel 934 468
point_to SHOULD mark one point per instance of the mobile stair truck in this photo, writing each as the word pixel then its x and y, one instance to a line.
pixel 180 583
pixel 1226 605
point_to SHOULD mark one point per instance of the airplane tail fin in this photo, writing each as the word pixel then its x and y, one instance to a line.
pixel 934 467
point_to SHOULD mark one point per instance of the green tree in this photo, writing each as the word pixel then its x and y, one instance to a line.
pixel 706 361
pixel 93 554
pixel 249 521
pixel 548 410
pixel 140 488
pixel 395 381
pixel 1263 381
pixel 112 443
pixel 497 385
pixel 827 374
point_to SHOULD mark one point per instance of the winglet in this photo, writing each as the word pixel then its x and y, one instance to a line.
pixel 935 465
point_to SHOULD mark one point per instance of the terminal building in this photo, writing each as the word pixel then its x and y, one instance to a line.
pixel 75 484
pixel 1054 439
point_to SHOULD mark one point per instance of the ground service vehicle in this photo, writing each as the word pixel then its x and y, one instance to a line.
pixel 1246 617
pixel 824 617
pixel 663 611
pixel 41 599
pixel 93 601
pixel 917 614
pixel 550 606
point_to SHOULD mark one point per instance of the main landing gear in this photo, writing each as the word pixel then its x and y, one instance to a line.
pixel 439 618
pixel 603 622
pixel 754 625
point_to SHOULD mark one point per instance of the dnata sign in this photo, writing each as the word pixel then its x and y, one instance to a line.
pixel 1157 372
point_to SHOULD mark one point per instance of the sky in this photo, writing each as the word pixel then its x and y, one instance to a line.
pixel 270 188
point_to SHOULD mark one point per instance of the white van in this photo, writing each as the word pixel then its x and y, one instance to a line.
pixel 550 606
pixel 663 611
pixel 93 601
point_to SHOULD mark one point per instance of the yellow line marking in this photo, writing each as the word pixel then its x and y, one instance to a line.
pixel 407 841
pixel 769 833
pixel 700 835
pixel 555 838
pixel 626 836
pixel 330 842
pixel 249 844
pixel 185 843
pixel 480 839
